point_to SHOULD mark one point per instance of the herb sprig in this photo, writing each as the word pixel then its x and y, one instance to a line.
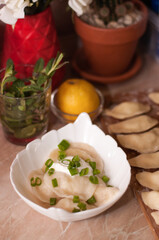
pixel 41 77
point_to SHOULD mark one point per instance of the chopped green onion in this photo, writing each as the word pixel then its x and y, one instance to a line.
pixel 51 171
pixel 82 206
pixel 84 171
pixel 52 201
pixel 93 179
pixel 63 145
pixel 96 171
pixel 76 210
pixel 76 158
pixel 73 171
pixel 46 169
pixel 62 155
pixel 49 163
pixel 109 185
pixel 76 199
pixel 91 200
pixel 32 182
pixel 105 179
pixel 38 181
pixel 35 181
pixel 54 182
pixel 66 161
pixel 74 164
pixel 87 160
pixel 92 164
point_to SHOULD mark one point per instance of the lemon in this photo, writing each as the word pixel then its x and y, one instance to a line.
pixel 77 95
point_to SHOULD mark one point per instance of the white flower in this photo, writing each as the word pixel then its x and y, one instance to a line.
pixel 13 10
pixel 79 6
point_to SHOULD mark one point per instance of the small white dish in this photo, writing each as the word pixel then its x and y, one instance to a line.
pixel 82 130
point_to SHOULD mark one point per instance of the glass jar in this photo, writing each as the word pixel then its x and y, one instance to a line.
pixel 25 118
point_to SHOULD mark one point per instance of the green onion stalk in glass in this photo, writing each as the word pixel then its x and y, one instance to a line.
pixel 25 103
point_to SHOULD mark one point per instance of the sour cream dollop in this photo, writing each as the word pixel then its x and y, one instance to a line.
pixel 63 167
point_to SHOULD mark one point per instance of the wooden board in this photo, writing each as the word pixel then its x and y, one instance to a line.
pixel 105 121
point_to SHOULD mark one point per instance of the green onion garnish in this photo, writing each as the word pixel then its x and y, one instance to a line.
pixel 93 179
pixel 38 181
pixel 96 171
pixel 46 169
pixel 66 161
pixel 74 164
pixel 54 182
pixel 84 171
pixel 63 145
pixel 51 171
pixel 76 158
pixel 92 164
pixel 91 200
pixel 105 179
pixel 109 185
pixel 49 163
pixel 82 206
pixel 62 155
pixel 76 210
pixel 73 171
pixel 52 201
pixel 76 199
pixel 35 181
pixel 32 182
pixel 76 161
pixel 87 160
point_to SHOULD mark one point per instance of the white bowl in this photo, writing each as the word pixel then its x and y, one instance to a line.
pixel 82 130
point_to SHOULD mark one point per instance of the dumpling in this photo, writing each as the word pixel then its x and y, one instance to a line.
pixel 147 142
pixel 103 194
pixel 127 109
pixel 69 186
pixel 151 199
pixel 134 125
pixel 42 192
pixel 68 204
pixel 147 161
pixel 149 179
pixel 84 151
pixel 155 216
pixel 154 96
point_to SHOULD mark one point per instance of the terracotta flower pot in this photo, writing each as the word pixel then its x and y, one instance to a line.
pixel 109 52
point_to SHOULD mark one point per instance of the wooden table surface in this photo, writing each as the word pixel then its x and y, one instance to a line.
pixel 123 221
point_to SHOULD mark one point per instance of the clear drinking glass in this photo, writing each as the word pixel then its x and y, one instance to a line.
pixel 24 119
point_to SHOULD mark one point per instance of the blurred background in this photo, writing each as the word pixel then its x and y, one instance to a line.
pixel 69 41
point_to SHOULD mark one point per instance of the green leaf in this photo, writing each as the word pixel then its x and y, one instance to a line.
pixel 22 106
pixel 29 101
pixel 18 83
pixel 8 94
pixel 39 65
pixel 56 63
pixel 17 88
pixel 9 72
pixel 42 78
pixel 32 88
pixel 9 65
pixel 28 131
pixel 49 65
pixel 7 80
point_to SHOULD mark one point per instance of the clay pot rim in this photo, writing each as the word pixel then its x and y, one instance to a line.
pixel 143 9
